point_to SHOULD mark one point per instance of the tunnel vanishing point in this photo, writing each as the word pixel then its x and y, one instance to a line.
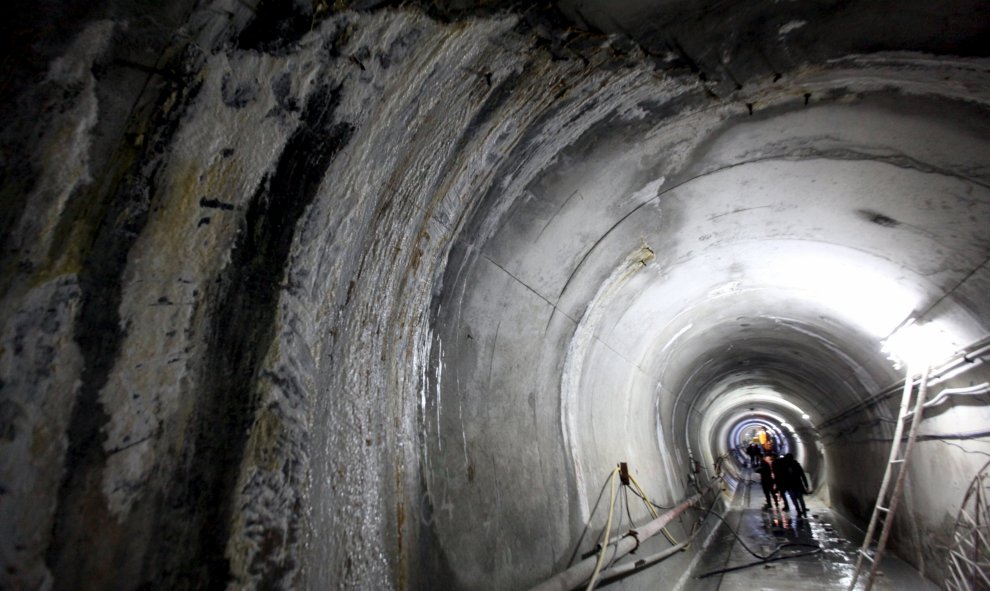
pixel 376 295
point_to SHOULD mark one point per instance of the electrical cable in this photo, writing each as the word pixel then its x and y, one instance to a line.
pixel 606 537
pixel 606 533
pixel 584 532
pixel 653 512
pixel 691 534
pixel 747 548
pixel 627 569
pixel 625 493
pixel 969 451
pixel 759 562
pixel 697 524
pixel 615 554
pixel 771 557
pixel 615 539
pixel 649 505
pixel 649 502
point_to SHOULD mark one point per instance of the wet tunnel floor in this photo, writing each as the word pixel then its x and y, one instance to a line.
pixel 763 531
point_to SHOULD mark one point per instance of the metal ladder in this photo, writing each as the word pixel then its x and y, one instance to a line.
pixel 886 507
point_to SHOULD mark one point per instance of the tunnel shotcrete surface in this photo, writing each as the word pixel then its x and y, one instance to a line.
pixel 375 295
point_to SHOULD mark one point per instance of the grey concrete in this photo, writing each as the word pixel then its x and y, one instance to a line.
pixel 376 295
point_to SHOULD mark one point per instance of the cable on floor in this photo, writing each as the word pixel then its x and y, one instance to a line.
pixel 817 550
pixel 771 557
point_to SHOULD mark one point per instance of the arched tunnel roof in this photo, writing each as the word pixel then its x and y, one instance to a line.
pixel 381 295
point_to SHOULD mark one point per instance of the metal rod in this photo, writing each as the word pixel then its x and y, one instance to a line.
pixel 899 485
pixel 882 495
pixel 629 567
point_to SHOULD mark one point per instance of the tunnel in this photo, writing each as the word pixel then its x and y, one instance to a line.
pixel 392 295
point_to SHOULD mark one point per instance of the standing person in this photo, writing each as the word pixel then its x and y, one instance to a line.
pixel 755 454
pixel 767 441
pixel 792 481
pixel 767 481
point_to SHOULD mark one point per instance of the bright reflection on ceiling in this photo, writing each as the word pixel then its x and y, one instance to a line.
pixel 862 294
pixel 752 396
pixel 801 280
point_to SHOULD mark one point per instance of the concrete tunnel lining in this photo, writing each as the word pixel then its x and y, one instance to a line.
pixel 397 287
pixel 772 221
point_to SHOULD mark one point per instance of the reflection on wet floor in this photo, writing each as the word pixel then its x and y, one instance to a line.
pixel 816 552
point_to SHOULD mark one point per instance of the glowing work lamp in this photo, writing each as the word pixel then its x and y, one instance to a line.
pixel 917 346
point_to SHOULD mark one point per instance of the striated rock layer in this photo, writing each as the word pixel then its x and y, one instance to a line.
pixel 215 347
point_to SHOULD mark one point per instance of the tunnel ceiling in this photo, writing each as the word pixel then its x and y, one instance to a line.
pixel 797 239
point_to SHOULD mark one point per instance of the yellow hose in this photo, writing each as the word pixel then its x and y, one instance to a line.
pixel 607 532
pixel 649 505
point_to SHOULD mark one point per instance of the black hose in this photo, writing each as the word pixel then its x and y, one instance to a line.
pixel 764 561
pixel 577 547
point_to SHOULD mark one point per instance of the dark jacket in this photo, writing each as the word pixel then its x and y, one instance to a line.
pixel 766 475
pixel 790 475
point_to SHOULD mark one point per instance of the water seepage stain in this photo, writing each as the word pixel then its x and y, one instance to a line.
pixel 243 305
pixel 878 218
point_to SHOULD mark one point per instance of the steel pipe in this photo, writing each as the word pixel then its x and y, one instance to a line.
pixel 579 574
pixel 944 395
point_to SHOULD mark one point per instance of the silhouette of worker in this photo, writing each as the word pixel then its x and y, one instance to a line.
pixel 755 454
pixel 791 481
pixel 765 471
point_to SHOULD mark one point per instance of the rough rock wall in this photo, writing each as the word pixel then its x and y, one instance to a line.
pixel 213 355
